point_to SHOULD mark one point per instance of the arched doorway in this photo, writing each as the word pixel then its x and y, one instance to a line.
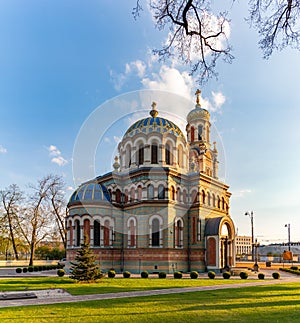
pixel 226 246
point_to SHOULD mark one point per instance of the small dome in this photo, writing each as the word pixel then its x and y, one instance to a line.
pixel 198 112
pixel 89 192
pixel 154 124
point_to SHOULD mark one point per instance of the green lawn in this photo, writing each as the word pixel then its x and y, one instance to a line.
pixel 107 285
pixel 269 303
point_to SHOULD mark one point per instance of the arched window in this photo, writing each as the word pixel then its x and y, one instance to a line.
pixel 106 233
pixel 168 154
pixel 198 229
pixel 77 233
pixel 214 200
pixel 184 197
pixel 161 192
pixel 223 203
pixel 192 134
pixel 118 196
pixel 126 196
pixel 86 229
pixel 141 155
pixel 154 153
pixel 178 195
pixel 110 195
pixel 96 233
pixel 194 231
pixel 178 234
pixel 70 234
pixel 128 156
pixel 140 192
pixel 132 194
pixel 207 133
pixel 180 156
pixel 203 197
pixel 200 129
pixel 208 199
pixel 150 192
pixel 195 197
pixel 172 193
pixel 219 203
pixel 155 233
pixel 131 233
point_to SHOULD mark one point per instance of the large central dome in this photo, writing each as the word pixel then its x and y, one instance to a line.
pixel 154 124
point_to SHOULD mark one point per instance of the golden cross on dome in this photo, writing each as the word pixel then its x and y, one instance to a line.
pixel 198 92
pixel 153 112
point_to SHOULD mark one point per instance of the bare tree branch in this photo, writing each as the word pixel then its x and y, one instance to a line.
pixel 277 23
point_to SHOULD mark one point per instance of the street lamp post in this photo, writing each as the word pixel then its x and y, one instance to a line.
pixel 252 233
pixel 289 235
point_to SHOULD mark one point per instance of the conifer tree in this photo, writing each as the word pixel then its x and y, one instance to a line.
pixel 84 269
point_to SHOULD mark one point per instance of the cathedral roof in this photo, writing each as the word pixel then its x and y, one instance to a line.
pixel 212 226
pixel 154 124
pixel 89 192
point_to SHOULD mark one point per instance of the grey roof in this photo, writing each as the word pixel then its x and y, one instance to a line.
pixel 212 226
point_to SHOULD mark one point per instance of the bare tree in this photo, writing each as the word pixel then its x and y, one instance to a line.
pixel 277 23
pixel 11 199
pixel 197 35
pixel 58 203
pixel 39 217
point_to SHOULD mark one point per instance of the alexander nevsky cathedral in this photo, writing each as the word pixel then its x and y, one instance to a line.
pixel 162 207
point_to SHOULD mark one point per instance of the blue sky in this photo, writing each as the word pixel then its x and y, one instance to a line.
pixel 60 60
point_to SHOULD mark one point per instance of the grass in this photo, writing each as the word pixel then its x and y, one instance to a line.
pixel 106 285
pixel 269 303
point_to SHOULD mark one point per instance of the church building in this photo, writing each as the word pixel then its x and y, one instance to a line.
pixel 162 208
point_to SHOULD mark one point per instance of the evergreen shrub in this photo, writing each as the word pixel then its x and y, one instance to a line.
pixel 144 274
pixel 194 275
pixel 226 274
pixel 294 267
pixel 261 276
pixel 211 274
pixel 60 272
pixel 178 274
pixel 111 273
pixel 126 274
pixel 30 269
pixel 25 269
pixel 243 275
pixel 84 269
pixel 276 275
pixel 18 270
pixel 162 274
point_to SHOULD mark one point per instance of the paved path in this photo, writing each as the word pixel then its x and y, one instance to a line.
pixel 67 298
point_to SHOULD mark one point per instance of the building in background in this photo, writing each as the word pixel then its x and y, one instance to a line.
pixel 163 207
pixel 243 246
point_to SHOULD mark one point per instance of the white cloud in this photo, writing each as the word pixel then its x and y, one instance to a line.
pixel 53 151
pixel 170 79
pixel 60 161
pixel 3 150
pixel 137 67
pixel 215 104
pixel 56 154
pixel 241 192
pixel 70 188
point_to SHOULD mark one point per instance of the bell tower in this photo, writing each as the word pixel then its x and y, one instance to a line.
pixel 202 156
